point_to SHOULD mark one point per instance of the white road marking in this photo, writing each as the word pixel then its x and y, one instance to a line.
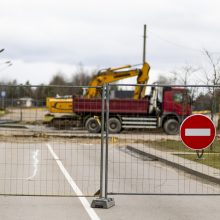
pixel 197 132
pixel 36 161
pixel 72 183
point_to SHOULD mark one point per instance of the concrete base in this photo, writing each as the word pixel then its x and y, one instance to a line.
pixel 103 203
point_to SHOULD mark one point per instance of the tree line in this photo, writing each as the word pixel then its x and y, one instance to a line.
pixel 202 98
pixel 58 85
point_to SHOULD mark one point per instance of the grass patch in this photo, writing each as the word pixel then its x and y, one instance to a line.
pixel 165 145
pixel 176 146
pixel 209 159
pixel 2 112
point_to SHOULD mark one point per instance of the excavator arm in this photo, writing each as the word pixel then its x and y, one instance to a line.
pixel 114 74
pixel 143 77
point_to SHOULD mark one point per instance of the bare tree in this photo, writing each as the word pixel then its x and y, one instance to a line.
pixel 81 78
pixel 202 102
pixel 58 79
pixel 183 75
pixel 212 75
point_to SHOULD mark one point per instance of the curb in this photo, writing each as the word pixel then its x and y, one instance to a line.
pixel 2 125
pixel 176 165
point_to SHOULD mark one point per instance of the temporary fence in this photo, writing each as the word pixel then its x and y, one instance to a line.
pixel 70 152
pixel 41 153
pixel 149 157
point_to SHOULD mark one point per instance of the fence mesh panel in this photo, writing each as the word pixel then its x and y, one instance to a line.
pixel 36 154
pixel 45 155
pixel 149 161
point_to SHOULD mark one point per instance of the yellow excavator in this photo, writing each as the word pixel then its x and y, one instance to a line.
pixel 65 105
pixel 59 104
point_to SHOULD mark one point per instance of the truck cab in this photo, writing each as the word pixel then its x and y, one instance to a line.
pixel 175 107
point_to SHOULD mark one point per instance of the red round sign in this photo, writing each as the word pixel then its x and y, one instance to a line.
pixel 197 132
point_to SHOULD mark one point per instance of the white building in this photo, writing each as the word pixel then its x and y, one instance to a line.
pixel 25 102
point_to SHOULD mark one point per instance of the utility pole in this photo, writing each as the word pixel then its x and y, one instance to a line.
pixel 144 44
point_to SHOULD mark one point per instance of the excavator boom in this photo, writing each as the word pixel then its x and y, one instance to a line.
pixel 116 74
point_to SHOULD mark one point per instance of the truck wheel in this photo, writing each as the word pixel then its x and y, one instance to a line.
pixel 171 127
pixel 92 125
pixel 114 125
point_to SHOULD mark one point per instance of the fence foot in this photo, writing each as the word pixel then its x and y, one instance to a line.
pixel 103 203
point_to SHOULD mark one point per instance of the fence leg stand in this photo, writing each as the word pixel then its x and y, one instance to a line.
pixel 103 201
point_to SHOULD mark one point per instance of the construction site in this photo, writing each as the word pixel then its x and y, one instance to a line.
pixel 108 143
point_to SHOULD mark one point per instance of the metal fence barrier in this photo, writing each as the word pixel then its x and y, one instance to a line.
pixel 145 160
pixel 70 152
pixel 44 157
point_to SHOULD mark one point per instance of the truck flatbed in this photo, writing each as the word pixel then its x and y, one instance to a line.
pixel 122 106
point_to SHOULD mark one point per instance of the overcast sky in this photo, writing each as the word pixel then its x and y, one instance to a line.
pixel 43 37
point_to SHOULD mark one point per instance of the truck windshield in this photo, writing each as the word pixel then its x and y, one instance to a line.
pixel 178 97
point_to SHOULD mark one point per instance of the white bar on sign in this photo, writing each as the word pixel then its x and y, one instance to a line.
pixel 197 132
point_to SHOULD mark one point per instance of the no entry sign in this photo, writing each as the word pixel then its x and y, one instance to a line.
pixel 197 132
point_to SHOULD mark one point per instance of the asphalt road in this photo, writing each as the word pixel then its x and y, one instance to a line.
pixel 65 168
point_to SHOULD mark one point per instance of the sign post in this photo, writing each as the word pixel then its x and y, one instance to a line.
pixel 3 94
pixel 197 132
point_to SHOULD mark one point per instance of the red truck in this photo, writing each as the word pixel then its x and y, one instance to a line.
pixel 165 107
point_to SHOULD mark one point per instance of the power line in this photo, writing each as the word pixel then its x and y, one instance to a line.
pixel 180 45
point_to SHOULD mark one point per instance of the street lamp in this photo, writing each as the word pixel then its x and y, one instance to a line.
pixel 3 92
pixel 7 63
